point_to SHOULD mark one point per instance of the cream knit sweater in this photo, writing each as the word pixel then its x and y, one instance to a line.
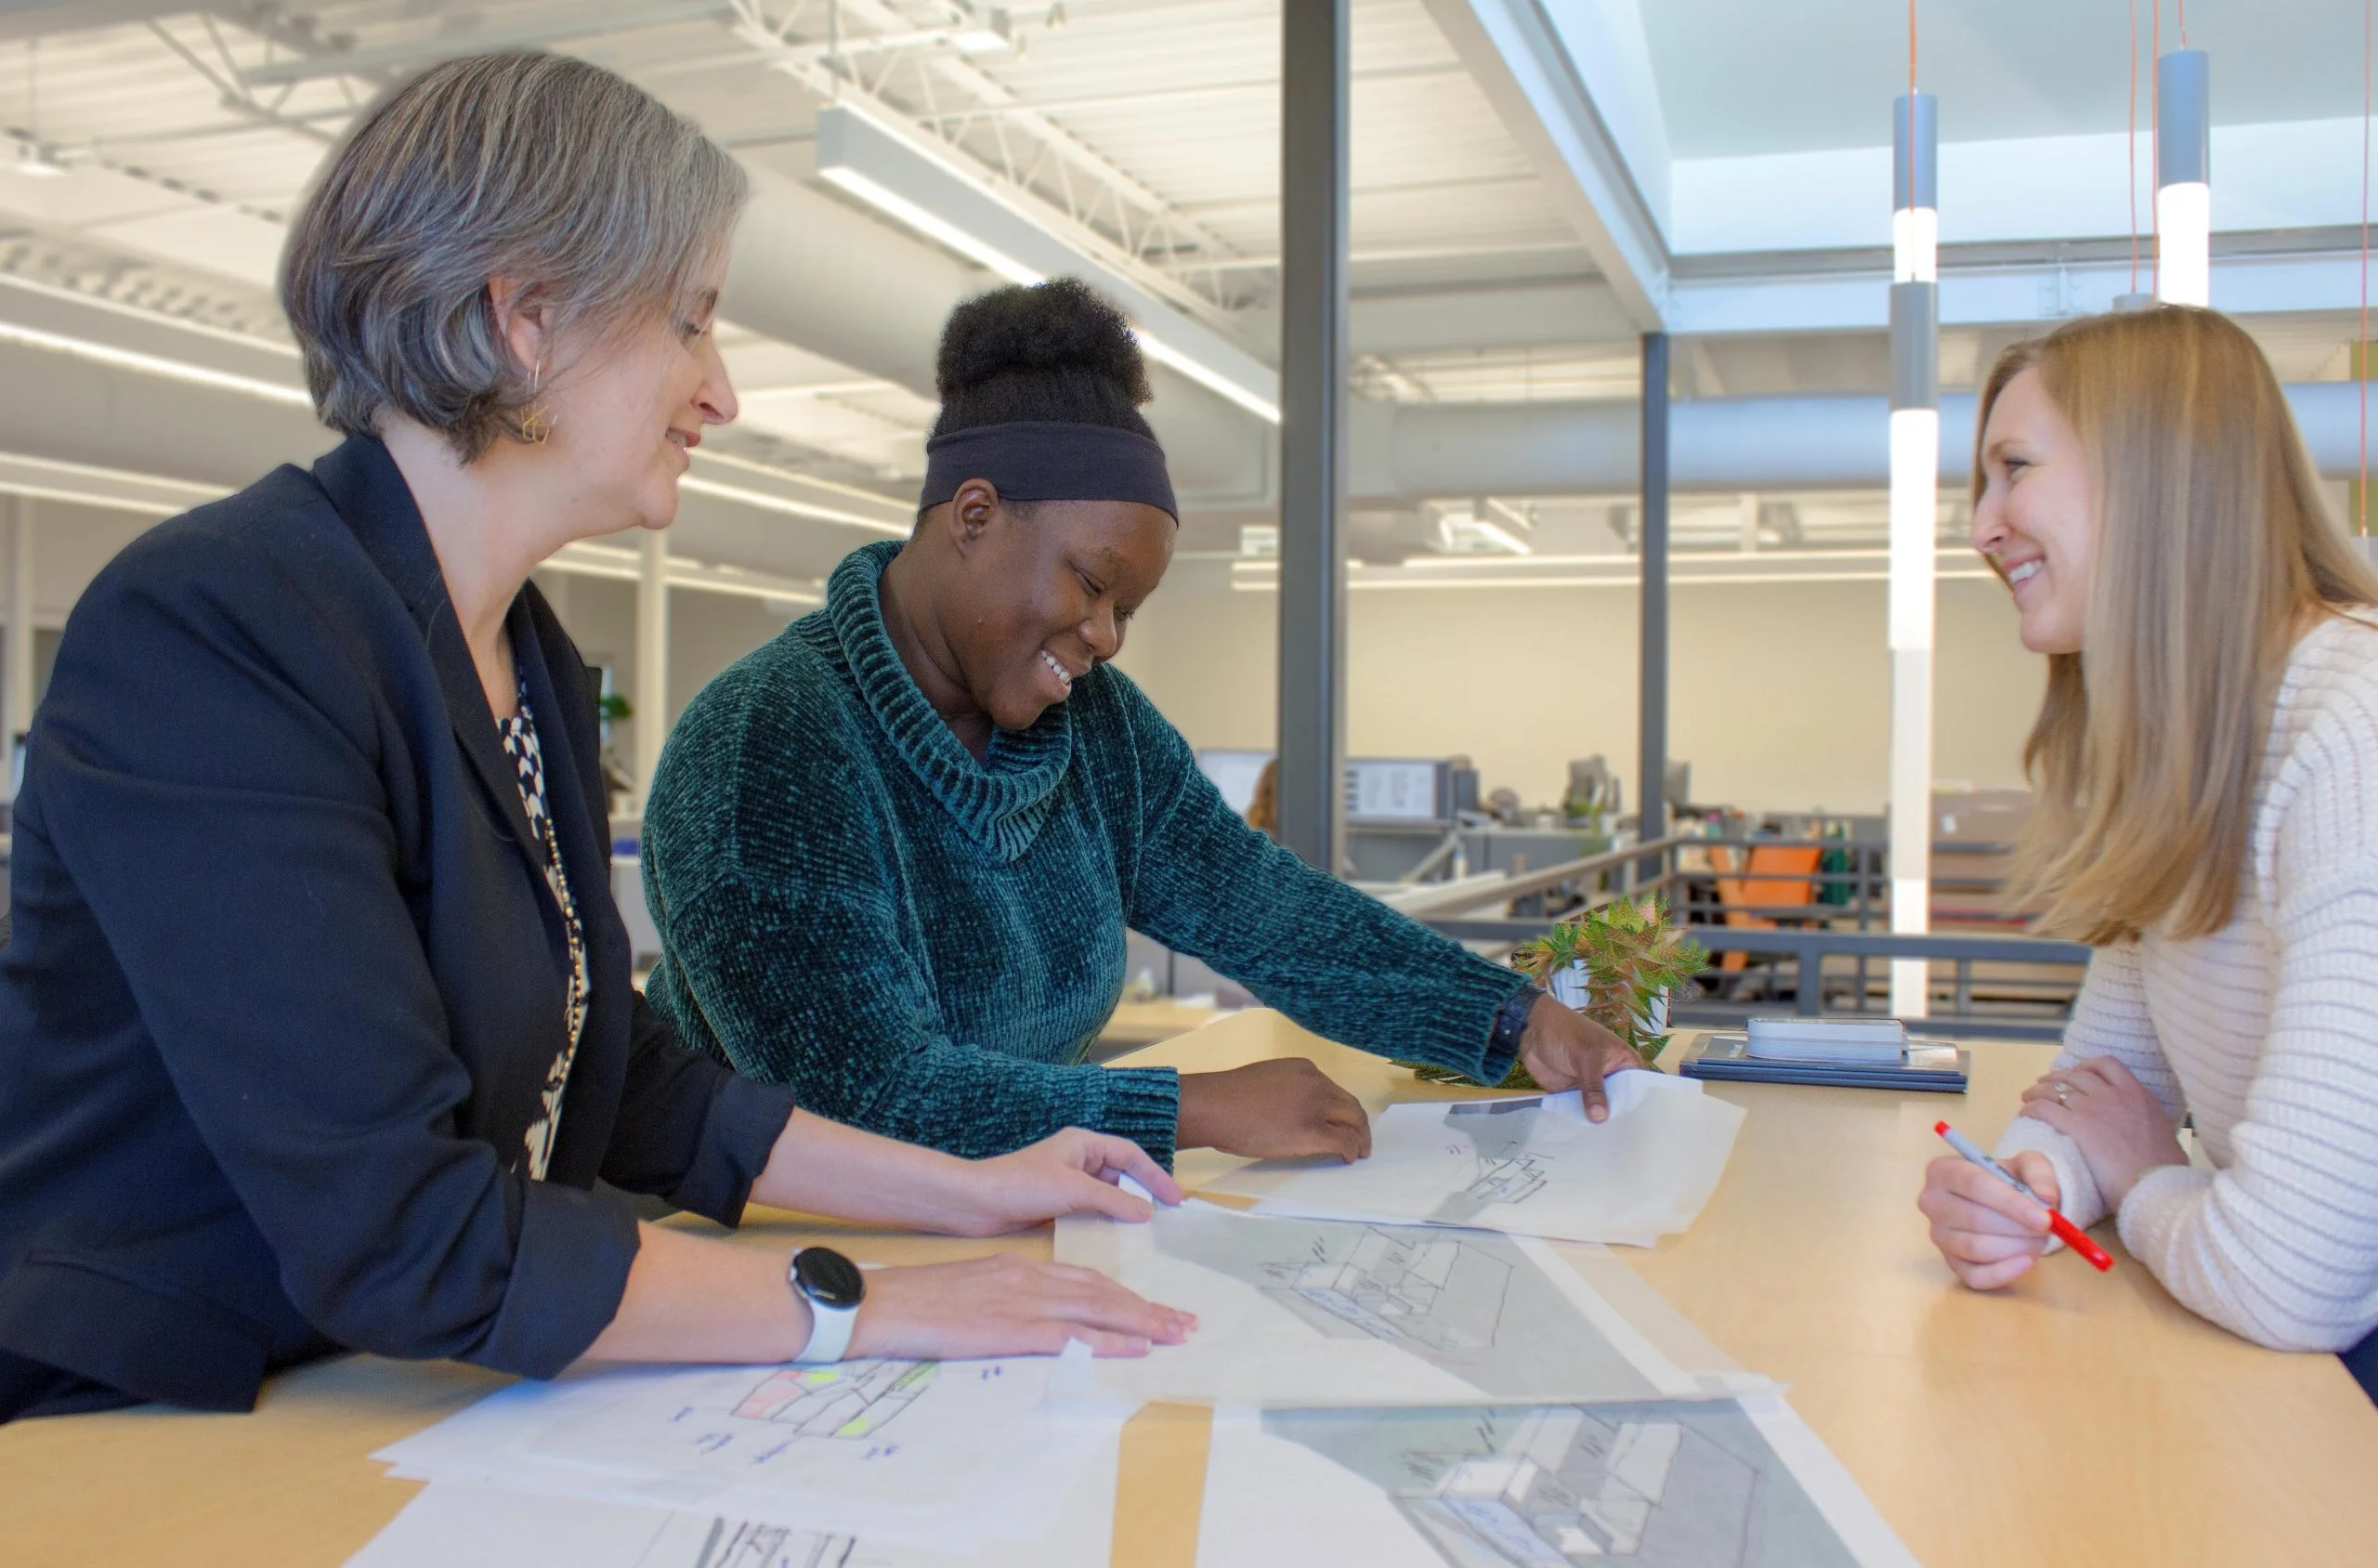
pixel 2266 1033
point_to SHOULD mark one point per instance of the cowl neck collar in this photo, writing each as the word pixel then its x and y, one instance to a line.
pixel 1001 801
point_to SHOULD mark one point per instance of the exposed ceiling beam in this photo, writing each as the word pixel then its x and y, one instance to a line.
pixel 1518 61
pixel 397 58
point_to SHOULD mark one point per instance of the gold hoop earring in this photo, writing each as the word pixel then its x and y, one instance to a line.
pixel 536 423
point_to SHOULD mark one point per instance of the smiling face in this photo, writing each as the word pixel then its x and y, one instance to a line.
pixel 628 407
pixel 2036 517
pixel 1044 593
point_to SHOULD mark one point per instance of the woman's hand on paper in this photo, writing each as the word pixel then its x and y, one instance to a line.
pixel 1073 1171
pixel 1282 1109
pixel 1563 1049
pixel 2122 1129
pixel 1990 1233
pixel 1006 1304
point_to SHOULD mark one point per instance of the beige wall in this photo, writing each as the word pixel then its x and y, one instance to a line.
pixel 1780 695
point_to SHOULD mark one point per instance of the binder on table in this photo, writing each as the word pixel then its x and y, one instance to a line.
pixel 1932 1066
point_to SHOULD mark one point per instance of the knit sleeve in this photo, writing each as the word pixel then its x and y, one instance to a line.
pixel 2282 1245
pixel 1337 960
pixel 2110 1018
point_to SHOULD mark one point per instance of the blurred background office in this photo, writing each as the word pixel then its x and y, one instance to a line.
pixel 1587 509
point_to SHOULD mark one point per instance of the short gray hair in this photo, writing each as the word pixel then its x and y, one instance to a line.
pixel 603 200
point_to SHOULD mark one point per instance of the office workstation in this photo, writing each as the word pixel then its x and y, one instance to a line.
pixel 1474 782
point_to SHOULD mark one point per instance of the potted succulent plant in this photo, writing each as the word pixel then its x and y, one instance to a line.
pixel 1616 964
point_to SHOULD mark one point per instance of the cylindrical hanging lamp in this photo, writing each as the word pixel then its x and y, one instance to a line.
pixel 1915 516
pixel 2183 178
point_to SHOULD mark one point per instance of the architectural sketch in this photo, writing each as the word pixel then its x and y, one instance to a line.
pixel 1477 1305
pixel 1513 1180
pixel 1659 1484
pixel 852 1399
pixel 1410 1289
pixel 695 1541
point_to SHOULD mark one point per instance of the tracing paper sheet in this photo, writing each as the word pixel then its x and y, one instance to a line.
pixel 1711 1483
pixel 1327 1312
pixel 1531 1165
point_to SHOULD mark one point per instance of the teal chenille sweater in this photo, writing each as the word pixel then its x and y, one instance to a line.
pixel 925 945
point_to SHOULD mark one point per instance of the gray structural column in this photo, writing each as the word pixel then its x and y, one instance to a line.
pixel 1313 96
pixel 17 657
pixel 1652 725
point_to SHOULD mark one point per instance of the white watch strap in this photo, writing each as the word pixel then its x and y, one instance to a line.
pixel 829 1330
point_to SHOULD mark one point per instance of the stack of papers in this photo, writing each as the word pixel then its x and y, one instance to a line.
pixel 905 1464
pixel 1529 1166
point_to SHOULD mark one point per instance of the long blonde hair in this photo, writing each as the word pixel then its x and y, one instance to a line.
pixel 2214 548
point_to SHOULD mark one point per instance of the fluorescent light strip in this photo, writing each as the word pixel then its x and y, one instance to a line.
pixel 147 317
pixel 152 364
pixel 795 476
pixel 1163 353
pixel 614 564
pixel 932 225
pixel 935 227
pixel 791 507
pixel 1265 582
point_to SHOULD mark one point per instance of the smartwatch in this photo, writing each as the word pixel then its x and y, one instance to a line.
pixel 833 1287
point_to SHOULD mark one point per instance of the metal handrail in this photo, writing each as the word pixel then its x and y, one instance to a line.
pixel 1430 910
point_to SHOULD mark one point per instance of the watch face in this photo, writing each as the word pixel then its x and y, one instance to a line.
pixel 827 1277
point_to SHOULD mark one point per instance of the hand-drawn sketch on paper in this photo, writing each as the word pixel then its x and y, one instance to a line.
pixel 1477 1305
pixel 1661 1485
pixel 852 1399
pixel 1423 1292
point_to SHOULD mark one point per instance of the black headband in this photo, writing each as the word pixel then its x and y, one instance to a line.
pixel 1048 461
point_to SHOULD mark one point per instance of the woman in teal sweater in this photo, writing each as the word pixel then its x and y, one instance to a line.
pixel 891 853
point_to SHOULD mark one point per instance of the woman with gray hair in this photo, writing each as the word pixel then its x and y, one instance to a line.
pixel 316 1023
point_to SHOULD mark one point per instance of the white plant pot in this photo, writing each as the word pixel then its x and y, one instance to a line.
pixel 1571 988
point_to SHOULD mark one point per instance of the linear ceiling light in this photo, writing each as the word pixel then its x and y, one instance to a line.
pixel 153 364
pixel 2183 178
pixel 788 506
pixel 903 180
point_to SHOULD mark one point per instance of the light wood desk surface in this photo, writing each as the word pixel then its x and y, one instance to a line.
pixel 2075 1420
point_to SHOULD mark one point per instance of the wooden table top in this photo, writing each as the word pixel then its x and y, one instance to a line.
pixel 2075 1420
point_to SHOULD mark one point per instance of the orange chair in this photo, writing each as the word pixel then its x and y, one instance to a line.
pixel 1777 876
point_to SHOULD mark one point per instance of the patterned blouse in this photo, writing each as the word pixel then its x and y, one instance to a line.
pixel 520 744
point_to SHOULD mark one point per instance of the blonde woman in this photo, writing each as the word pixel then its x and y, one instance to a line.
pixel 2207 767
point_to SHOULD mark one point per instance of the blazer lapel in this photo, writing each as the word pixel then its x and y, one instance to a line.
pixel 363 482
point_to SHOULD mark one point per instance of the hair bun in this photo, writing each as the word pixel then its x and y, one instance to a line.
pixel 1060 329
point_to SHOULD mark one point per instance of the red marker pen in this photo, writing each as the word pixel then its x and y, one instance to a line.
pixel 2066 1231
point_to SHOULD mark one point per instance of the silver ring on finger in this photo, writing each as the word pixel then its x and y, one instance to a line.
pixel 2062 1096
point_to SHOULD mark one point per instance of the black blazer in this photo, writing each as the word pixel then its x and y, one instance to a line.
pixel 285 980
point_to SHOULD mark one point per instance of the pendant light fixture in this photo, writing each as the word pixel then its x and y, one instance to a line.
pixel 2183 176
pixel 1915 516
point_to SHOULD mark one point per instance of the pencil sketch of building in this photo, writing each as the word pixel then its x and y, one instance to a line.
pixel 1512 1179
pixel 1440 1293
pixel 1567 1486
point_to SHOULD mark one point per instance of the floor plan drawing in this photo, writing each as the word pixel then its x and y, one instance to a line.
pixel 1657 1484
pixel 1409 1288
pixel 693 1541
pixel 852 1399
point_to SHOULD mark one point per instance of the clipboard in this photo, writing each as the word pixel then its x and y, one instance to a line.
pixel 1933 1066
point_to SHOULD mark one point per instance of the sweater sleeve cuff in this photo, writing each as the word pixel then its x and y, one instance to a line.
pixel 746 1118
pixel 1470 1034
pixel 1144 1105
pixel 569 1269
pixel 2077 1195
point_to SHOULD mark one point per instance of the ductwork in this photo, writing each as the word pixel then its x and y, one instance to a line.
pixel 1407 453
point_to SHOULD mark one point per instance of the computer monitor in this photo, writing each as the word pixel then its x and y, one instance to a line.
pixel 1234 773
pixel 1399 790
